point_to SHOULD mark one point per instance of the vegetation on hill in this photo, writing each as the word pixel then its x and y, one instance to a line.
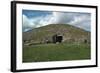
pixel 74 46
pixel 69 33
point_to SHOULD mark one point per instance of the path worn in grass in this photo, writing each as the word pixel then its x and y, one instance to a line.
pixel 55 52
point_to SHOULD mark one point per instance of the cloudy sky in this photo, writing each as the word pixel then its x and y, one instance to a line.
pixel 33 19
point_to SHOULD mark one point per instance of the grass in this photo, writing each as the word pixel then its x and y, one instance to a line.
pixel 56 52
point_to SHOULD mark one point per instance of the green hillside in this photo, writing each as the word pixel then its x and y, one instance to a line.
pixel 75 44
pixel 69 33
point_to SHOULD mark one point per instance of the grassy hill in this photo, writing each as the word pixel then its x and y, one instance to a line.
pixel 69 33
pixel 73 46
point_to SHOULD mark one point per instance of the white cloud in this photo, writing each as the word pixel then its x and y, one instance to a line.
pixel 30 23
pixel 81 20
pixel 27 24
